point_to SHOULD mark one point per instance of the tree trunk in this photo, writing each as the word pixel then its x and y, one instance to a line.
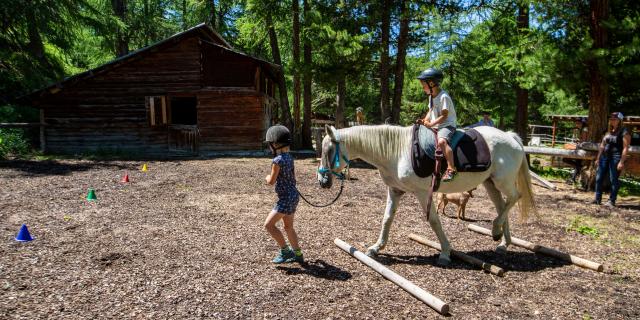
pixel 384 60
pixel 36 46
pixel 147 17
pixel 522 94
pixel 122 44
pixel 282 88
pixel 211 14
pixel 184 15
pixel 296 71
pixel 340 99
pixel 306 96
pixel 221 12
pixel 400 62
pixel 598 81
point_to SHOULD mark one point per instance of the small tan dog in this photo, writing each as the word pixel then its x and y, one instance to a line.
pixel 459 199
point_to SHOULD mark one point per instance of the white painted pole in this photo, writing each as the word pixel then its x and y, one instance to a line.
pixel 457 254
pixel 403 283
pixel 544 250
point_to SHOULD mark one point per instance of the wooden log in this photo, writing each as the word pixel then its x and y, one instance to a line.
pixel 544 250
pixel 590 146
pixel 573 154
pixel 544 182
pixel 403 283
pixel 459 255
pixel 20 125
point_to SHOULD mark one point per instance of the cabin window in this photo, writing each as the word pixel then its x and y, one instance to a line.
pixel 156 110
pixel 184 110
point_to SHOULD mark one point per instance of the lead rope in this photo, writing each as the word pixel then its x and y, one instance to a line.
pixel 323 205
pixel 340 176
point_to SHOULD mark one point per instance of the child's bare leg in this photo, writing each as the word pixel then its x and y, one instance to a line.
pixel 270 225
pixel 291 233
pixel 448 154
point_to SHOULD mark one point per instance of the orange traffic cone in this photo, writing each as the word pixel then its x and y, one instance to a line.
pixel 125 179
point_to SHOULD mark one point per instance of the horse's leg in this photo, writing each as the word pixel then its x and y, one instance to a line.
pixel 436 226
pixel 496 198
pixel 506 238
pixel 501 223
pixel 393 197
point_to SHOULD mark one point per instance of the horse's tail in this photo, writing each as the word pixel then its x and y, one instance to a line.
pixel 523 183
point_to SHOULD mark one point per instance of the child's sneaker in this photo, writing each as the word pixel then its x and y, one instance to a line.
pixel 284 255
pixel 449 175
pixel 297 257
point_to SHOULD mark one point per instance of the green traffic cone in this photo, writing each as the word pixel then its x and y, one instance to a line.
pixel 91 196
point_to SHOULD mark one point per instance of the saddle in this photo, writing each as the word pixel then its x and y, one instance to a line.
pixel 470 151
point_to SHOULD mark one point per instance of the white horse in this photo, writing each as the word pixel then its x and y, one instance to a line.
pixel 388 149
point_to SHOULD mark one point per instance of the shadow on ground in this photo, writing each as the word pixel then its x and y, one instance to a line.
pixel 512 261
pixel 318 269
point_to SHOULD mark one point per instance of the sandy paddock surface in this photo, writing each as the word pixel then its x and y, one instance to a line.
pixel 185 240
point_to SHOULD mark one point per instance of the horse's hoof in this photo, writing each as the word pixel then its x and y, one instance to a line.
pixel 497 237
pixel 443 262
pixel 501 249
pixel 371 253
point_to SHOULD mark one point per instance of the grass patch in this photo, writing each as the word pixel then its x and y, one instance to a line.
pixel 551 173
pixel 629 186
pixel 578 225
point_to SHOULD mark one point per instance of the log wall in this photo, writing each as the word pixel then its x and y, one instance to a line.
pixel 234 120
pixel 108 112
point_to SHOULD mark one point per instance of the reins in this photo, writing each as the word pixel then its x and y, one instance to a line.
pixel 340 176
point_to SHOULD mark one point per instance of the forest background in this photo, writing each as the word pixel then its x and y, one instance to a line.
pixel 519 60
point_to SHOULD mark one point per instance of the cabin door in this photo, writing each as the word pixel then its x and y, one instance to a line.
pixel 183 126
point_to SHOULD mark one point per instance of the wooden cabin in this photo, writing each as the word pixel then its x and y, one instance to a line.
pixel 189 94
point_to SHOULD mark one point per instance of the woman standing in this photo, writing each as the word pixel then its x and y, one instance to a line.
pixel 611 156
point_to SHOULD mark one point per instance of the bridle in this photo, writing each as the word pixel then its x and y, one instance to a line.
pixel 333 165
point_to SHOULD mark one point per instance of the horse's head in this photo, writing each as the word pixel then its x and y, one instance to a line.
pixel 334 158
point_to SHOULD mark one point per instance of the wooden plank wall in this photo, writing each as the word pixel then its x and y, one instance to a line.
pixel 108 111
pixel 224 68
pixel 230 121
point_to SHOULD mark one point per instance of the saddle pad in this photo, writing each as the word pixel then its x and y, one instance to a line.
pixel 471 154
pixel 470 150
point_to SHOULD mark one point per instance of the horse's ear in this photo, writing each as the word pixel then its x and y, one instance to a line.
pixel 331 131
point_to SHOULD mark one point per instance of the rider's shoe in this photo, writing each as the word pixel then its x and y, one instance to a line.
pixel 449 175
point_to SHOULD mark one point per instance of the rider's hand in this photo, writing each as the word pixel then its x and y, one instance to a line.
pixel 419 121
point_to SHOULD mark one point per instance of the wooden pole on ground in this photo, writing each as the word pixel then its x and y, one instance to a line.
pixel 403 283
pixel 544 250
pixel 457 254
pixel 544 182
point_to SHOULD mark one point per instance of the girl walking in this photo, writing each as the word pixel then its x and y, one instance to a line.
pixel 283 176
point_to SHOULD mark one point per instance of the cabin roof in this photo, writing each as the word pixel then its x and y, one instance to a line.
pixel 201 29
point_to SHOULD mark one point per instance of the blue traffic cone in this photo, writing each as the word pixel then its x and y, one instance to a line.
pixel 23 234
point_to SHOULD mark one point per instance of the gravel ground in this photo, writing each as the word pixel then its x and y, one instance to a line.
pixel 185 240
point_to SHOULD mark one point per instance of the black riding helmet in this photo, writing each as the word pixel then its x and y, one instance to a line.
pixel 278 134
pixel 432 74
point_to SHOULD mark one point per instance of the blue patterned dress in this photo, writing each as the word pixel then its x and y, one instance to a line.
pixel 286 185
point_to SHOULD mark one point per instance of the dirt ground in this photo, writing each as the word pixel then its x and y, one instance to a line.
pixel 185 240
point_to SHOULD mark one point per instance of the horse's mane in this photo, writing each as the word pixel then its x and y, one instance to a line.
pixel 381 141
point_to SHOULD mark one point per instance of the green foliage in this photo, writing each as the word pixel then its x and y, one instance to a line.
pixel 484 56
pixel 629 186
pixel 551 172
pixel 578 225
pixel 13 143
